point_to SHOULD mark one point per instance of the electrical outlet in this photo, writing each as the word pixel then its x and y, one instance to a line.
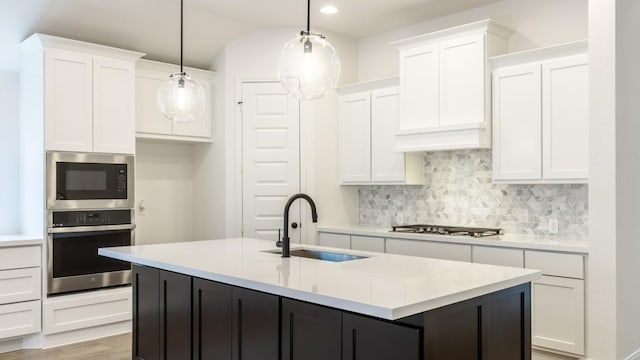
pixel 399 218
pixel 553 226
pixel 142 208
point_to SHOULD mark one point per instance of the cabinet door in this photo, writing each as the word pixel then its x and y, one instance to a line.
pixel 462 81
pixel 429 249
pixel 19 319
pixel 355 138
pixel 212 313
pixel 256 325
pixel 498 256
pixel 310 332
pixel 558 314
pixel 113 106
pixel 334 240
pixel 367 243
pixel 149 118
pixel 175 316
pixel 419 88
pixel 386 164
pixel 202 126
pixel 368 339
pixel 517 123
pixel 565 118
pixel 146 313
pixel 68 101
pixel 20 285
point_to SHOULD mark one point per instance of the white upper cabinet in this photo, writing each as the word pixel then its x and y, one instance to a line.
pixel 444 87
pixel 68 101
pixel 87 92
pixel 368 114
pixel 151 123
pixel 540 115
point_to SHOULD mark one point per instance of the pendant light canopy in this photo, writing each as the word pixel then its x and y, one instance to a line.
pixel 308 66
pixel 180 98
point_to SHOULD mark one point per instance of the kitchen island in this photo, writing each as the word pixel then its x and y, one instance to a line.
pixel 232 299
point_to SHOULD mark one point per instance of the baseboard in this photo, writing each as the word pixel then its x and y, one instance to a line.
pixel 634 356
pixel 10 345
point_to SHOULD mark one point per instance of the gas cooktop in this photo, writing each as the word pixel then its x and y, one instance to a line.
pixel 447 230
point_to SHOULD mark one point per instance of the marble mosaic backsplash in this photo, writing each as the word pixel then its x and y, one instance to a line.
pixel 458 191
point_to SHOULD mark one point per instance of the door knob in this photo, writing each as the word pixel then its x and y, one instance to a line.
pixel 294 225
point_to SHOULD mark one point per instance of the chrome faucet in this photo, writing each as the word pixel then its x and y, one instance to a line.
pixel 285 244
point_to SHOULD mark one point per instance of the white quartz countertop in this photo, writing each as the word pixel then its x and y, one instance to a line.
pixel 382 285
pixel 530 242
pixel 19 240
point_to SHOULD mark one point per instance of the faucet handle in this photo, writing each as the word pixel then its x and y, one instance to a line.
pixel 279 241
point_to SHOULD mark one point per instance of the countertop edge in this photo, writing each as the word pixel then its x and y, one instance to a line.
pixel 581 247
pixel 6 241
pixel 342 304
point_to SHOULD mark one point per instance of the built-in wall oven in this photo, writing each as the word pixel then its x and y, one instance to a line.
pixel 74 237
pixel 89 205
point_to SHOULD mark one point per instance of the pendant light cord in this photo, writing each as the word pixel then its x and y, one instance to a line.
pixel 308 16
pixel 181 32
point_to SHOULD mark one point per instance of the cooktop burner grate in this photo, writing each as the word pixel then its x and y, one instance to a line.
pixel 447 230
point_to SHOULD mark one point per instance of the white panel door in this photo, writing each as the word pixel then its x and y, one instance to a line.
pixel 113 106
pixel 149 118
pixel 271 159
pixel 517 123
pixel 565 118
pixel 462 82
pixel 386 164
pixel 435 250
pixel 68 101
pixel 355 138
pixel 557 314
pixel 419 88
pixel 202 126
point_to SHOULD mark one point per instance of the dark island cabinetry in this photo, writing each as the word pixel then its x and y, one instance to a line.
pixel 176 316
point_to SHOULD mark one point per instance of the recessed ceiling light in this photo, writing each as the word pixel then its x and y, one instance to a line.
pixel 329 9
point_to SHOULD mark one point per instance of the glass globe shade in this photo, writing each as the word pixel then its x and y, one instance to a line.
pixel 308 67
pixel 181 99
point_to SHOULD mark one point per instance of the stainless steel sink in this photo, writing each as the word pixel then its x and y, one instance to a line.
pixel 320 255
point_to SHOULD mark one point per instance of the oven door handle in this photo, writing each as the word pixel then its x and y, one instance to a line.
pixel 75 229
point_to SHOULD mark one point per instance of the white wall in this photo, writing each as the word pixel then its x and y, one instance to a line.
pixel 164 182
pixel 255 57
pixel 536 22
pixel 627 175
pixel 9 118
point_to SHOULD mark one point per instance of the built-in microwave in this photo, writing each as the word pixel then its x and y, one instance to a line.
pixel 89 181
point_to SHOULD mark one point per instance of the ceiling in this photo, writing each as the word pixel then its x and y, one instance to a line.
pixel 152 26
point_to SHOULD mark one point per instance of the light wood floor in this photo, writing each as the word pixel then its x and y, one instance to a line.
pixel 110 348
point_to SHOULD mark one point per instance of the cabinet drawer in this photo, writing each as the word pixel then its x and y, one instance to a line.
pixel 19 285
pixel 429 249
pixel 19 319
pixel 367 243
pixel 334 240
pixel 555 264
pixel 19 257
pixel 498 256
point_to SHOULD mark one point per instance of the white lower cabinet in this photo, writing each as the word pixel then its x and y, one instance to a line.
pixel 557 309
pixel 436 250
pixel 334 240
pixel 367 243
pixel 20 290
pixel 19 319
pixel 85 310
pixel 498 256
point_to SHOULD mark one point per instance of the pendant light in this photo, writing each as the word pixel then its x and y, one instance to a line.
pixel 308 66
pixel 181 99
